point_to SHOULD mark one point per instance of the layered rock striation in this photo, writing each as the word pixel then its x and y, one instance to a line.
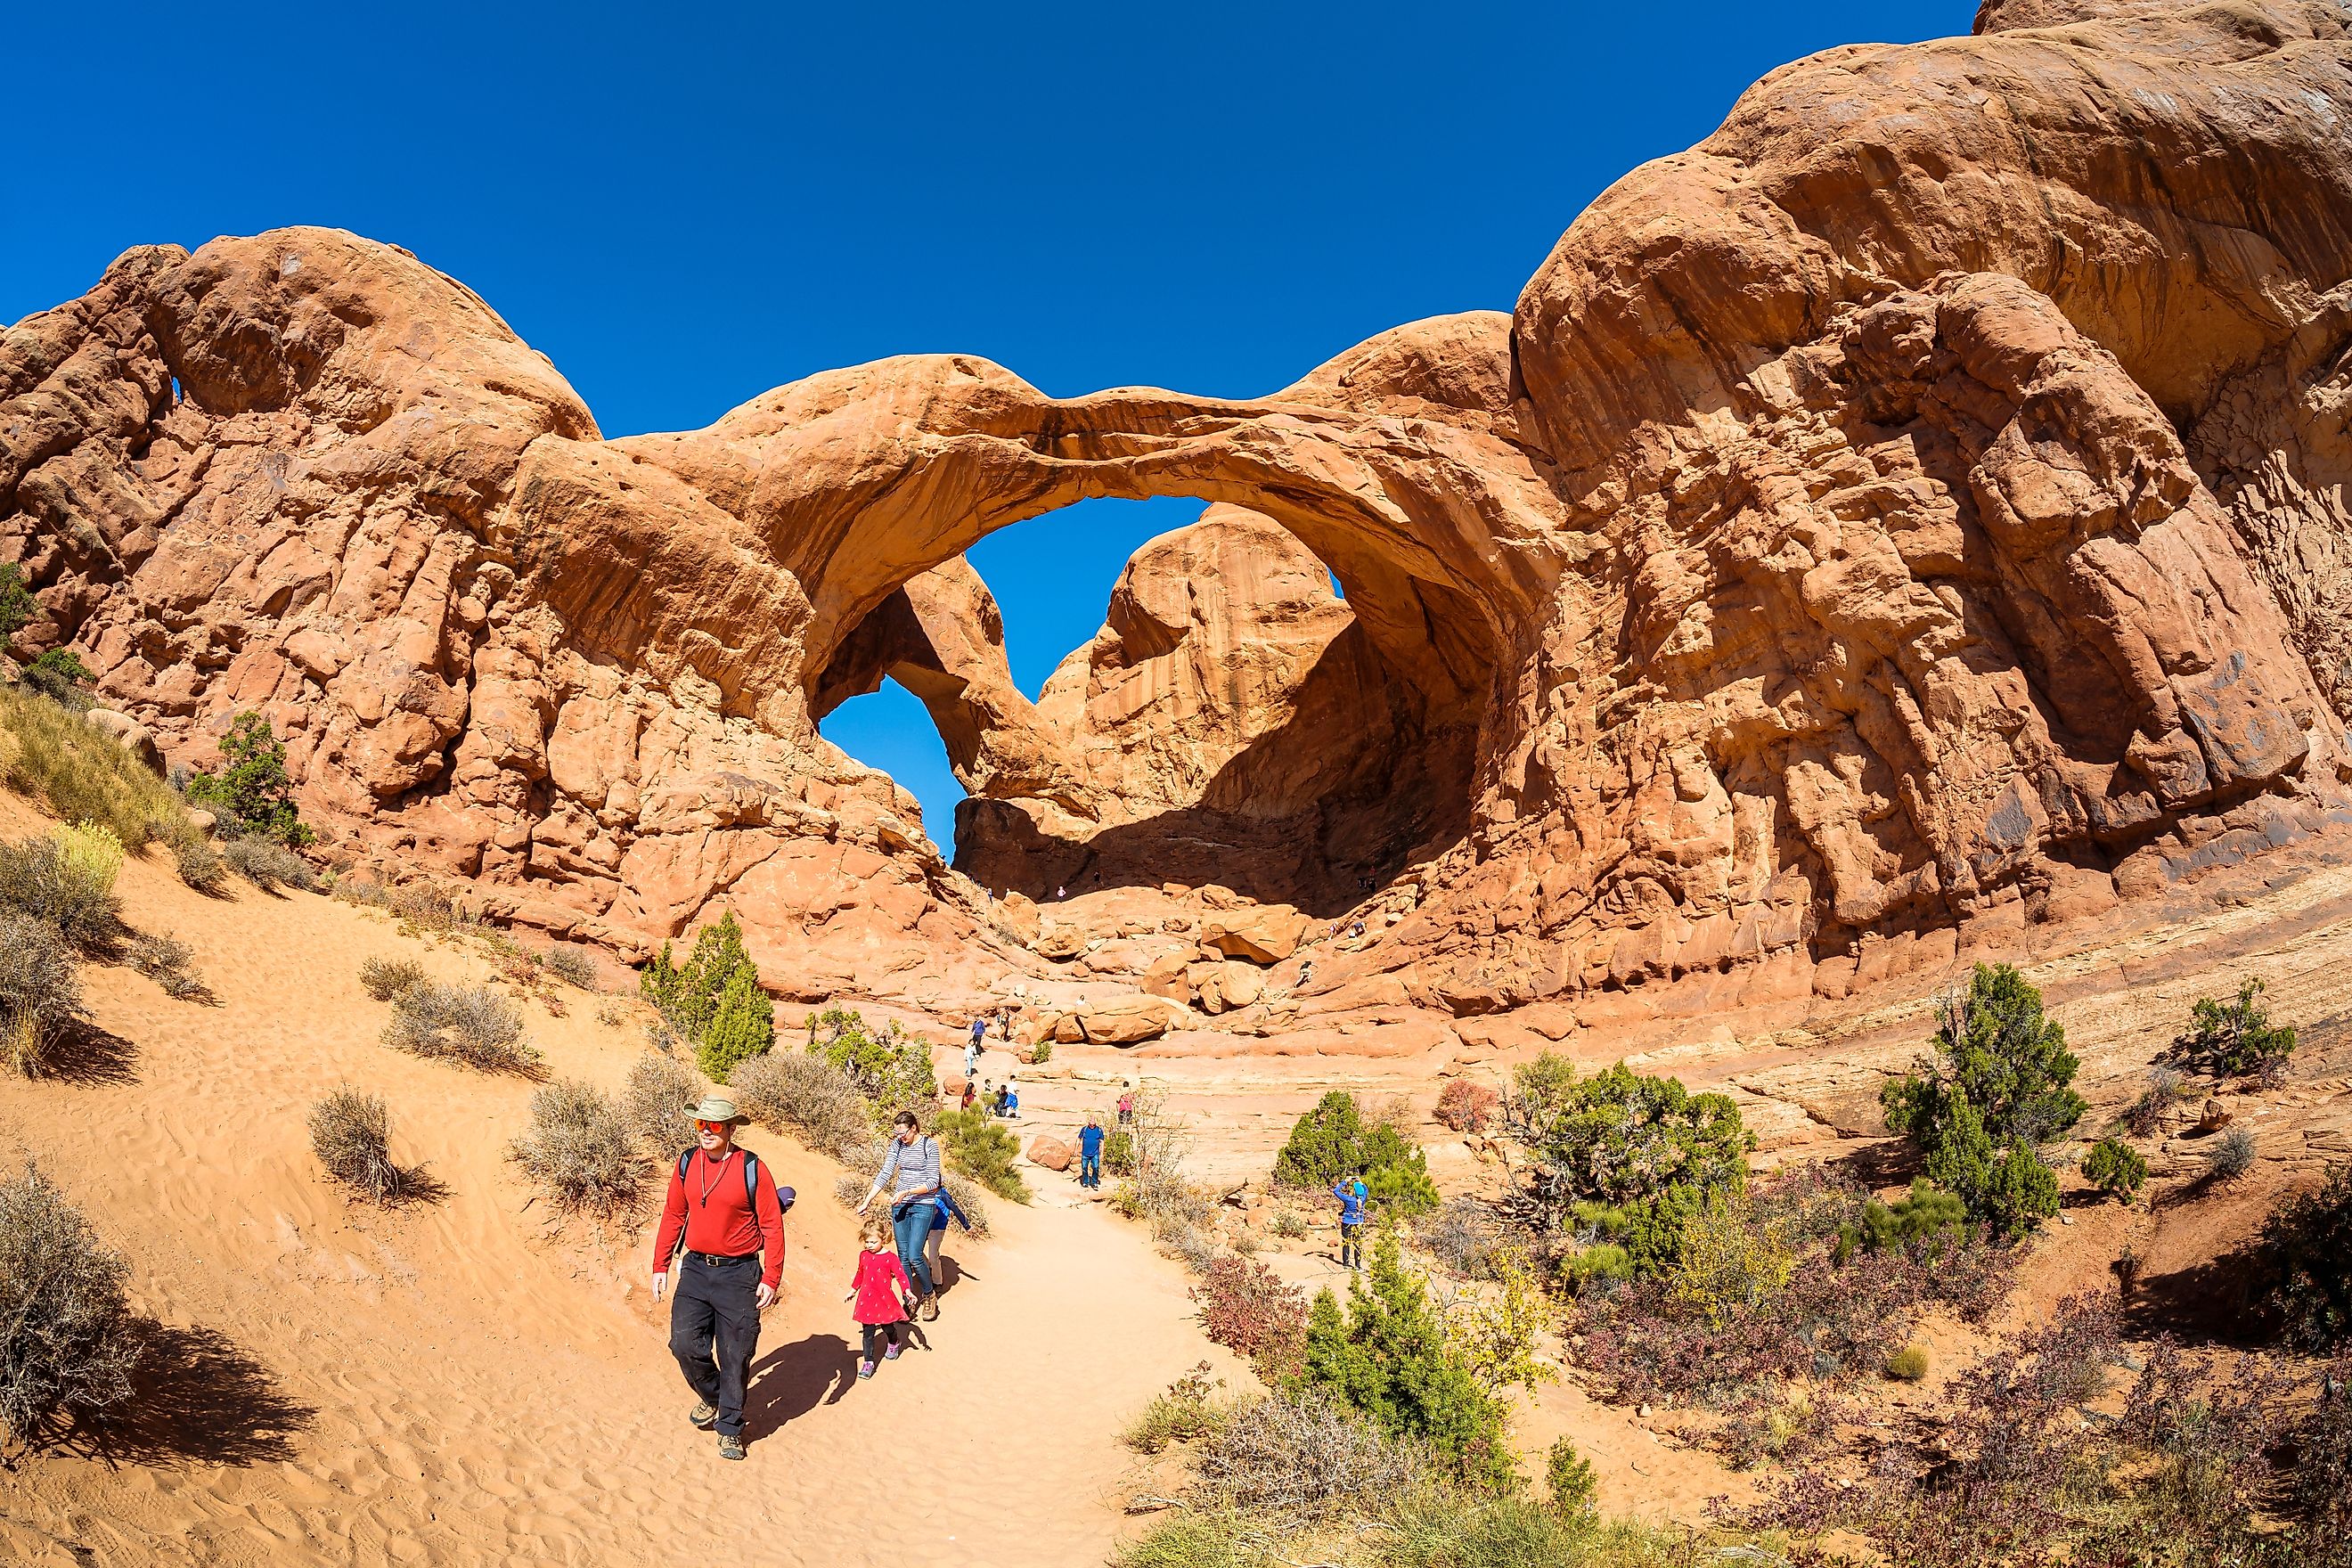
pixel 1915 512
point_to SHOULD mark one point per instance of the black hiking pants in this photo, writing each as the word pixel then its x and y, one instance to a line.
pixel 715 1310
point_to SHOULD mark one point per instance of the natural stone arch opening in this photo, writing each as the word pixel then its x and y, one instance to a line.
pixel 1229 722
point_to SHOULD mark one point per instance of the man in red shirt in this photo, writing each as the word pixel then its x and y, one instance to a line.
pixel 723 1206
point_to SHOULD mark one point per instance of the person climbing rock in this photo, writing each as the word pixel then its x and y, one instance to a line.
pixel 912 1170
pixel 724 1208
pixel 1090 1145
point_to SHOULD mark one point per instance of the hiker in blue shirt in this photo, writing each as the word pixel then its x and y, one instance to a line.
pixel 1352 1194
pixel 1090 1142
pixel 948 1209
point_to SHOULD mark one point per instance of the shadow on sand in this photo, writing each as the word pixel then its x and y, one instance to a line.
pixel 195 1397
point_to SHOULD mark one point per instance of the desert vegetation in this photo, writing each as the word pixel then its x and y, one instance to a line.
pixel 468 1024
pixel 350 1132
pixel 51 755
pixel 655 1104
pixel 67 1339
pixel 1334 1139
pixel 579 1152
pixel 713 1001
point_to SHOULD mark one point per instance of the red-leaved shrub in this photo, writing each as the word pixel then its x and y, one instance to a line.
pixel 1467 1107
pixel 1245 1307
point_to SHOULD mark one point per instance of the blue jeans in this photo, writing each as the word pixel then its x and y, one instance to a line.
pixel 1091 1170
pixel 912 1223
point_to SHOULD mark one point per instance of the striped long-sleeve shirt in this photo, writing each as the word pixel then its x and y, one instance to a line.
pixel 911 1168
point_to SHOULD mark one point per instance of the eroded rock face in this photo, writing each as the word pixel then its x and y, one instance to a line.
pixel 1814 567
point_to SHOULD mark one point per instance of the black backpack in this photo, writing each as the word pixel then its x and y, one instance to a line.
pixel 784 1195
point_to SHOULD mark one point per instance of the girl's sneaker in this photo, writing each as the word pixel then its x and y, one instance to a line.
pixel 866 1368
pixel 889 1352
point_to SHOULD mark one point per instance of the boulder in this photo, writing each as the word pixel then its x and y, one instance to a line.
pixel 1127 1021
pixel 1051 1152
pixel 1261 934
pixel 1060 943
pixel 129 734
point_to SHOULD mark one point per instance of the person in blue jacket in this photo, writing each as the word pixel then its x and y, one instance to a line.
pixel 1091 1146
pixel 1352 1194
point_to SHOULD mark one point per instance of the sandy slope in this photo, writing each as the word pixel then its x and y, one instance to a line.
pixel 451 1384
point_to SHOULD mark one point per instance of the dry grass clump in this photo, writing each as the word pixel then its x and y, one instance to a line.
pixel 268 864
pixel 572 965
pixel 39 994
pixel 849 1189
pixel 200 865
pixel 364 892
pixel 1304 1455
pixel 350 1132
pixel 385 978
pixel 66 878
pixel 165 960
pixel 966 1192
pixel 470 1023
pixel 1908 1364
pixel 68 1341
pixel 579 1150
pixel 804 1094
pixel 431 907
pixel 654 1103
pixel 1190 1409
pixel 82 775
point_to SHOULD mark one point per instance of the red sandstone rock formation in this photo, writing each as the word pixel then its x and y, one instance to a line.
pixel 1916 511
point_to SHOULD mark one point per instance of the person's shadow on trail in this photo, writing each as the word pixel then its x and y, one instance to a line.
pixel 792 1380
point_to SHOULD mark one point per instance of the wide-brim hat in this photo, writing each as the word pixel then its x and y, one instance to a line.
pixel 715 1107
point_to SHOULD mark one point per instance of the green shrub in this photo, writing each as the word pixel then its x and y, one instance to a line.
pixel 2115 1168
pixel 67 1340
pixel 983 1149
pixel 84 776
pixel 578 1149
pixel 1995 1090
pixel 39 993
pixel 251 793
pixel 1599 1266
pixel 62 677
pixel 58 879
pixel 1388 1356
pixel 2307 1249
pixel 1119 1157
pixel 687 995
pixel 1184 1538
pixel 386 978
pixel 266 863
pixel 1575 1489
pixel 2235 1038
pixel 1642 1154
pixel 1187 1411
pixel 743 1027
pixel 1444 1526
pixel 350 1132
pixel 655 1104
pixel 1908 1364
pixel 1042 1052
pixel 891 1068
pixel 17 606
pixel 1334 1140
pixel 470 1023
pixel 802 1094
pixel 1926 1213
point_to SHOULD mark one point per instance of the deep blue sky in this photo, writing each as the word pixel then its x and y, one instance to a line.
pixel 685 206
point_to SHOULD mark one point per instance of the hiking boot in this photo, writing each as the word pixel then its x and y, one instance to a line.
pixel 930 1310
pixel 730 1448
pixel 866 1368
pixel 705 1416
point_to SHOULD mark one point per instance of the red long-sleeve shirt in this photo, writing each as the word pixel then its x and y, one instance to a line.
pixel 710 1207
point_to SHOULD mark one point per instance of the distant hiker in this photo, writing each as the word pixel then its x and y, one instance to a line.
pixel 1351 1193
pixel 1127 1109
pixel 724 1207
pixel 1306 974
pixel 913 1172
pixel 949 1210
pixel 877 1290
pixel 971 1052
pixel 970 1094
pixel 1010 1107
pixel 1090 1142
pixel 1060 894
pixel 1356 930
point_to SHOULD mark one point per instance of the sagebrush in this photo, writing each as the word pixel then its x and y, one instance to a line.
pixel 579 1150
pixel 468 1024
pixel 67 1340
pixel 350 1132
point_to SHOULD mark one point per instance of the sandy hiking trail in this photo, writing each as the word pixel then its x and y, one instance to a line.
pixel 451 1384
